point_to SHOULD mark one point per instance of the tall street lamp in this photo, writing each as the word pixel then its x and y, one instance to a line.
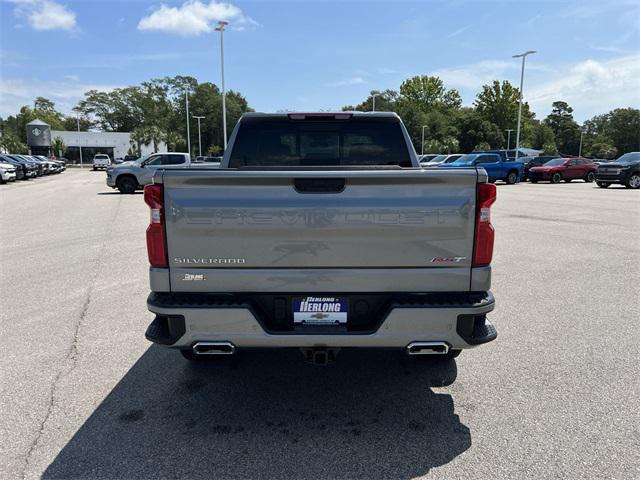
pixel 373 97
pixel 186 102
pixel 220 28
pixel 509 130
pixel 523 56
pixel 422 142
pixel 580 150
pixel 199 134
pixel 79 146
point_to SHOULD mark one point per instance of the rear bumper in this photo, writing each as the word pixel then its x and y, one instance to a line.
pixel 459 319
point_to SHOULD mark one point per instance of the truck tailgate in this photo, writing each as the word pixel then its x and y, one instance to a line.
pixel 350 230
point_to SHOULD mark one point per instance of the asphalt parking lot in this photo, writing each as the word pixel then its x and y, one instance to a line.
pixel 84 395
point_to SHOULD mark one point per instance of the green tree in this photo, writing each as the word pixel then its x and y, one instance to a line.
pixel 138 138
pixel 474 131
pixel 44 110
pixel 498 104
pixel 214 150
pixel 621 126
pixel 542 137
pixel 386 101
pixel 428 93
pixel 10 143
pixel 602 147
pixel 58 146
pixel 565 129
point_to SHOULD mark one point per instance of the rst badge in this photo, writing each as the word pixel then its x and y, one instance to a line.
pixel 320 311
pixel 448 259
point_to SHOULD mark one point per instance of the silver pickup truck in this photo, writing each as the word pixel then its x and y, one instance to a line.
pixel 320 232
pixel 128 177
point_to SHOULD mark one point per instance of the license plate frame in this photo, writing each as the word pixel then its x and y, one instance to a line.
pixel 320 310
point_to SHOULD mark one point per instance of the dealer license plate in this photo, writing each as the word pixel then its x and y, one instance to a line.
pixel 320 311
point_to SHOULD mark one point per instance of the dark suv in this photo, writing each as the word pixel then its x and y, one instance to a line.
pixel 625 171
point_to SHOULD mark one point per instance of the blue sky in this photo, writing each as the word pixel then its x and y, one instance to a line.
pixel 303 55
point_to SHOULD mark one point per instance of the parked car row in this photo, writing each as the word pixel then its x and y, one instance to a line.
pixel 545 168
pixel 23 167
pixel 496 162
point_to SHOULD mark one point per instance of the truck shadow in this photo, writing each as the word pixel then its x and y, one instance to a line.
pixel 269 415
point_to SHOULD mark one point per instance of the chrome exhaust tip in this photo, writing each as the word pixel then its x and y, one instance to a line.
pixel 214 348
pixel 428 348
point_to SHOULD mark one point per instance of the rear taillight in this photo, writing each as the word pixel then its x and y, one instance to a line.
pixel 156 238
pixel 483 247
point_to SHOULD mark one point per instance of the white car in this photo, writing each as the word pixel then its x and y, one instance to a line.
pixel 441 160
pixel 7 173
pixel 101 160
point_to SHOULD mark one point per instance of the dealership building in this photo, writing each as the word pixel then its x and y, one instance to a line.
pixel 87 144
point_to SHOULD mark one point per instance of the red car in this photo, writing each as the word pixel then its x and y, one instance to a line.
pixel 566 169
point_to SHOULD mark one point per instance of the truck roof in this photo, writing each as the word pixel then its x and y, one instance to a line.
pixel 339 114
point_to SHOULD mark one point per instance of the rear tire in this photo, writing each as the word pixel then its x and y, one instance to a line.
pixel 590 177
pixel 603 184
pixel 633 181
pixel 512 178
pixel 126 185
pixel 556 178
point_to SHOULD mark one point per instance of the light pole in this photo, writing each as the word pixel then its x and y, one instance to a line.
pixel 422 142
pixel 580 149
pixel 199 135
pixel 220 28
pixel 523 56
pixel 373 97
pixel 79 146
pixel 509 130
pixel 186 102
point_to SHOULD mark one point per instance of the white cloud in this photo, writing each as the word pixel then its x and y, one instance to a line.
pixel 45 14
pixel 475 75
pixel 14 93
pixel 348 82
pixel 591 87
pixel 194 18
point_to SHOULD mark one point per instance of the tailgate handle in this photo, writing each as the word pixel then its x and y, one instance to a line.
pixel 319 185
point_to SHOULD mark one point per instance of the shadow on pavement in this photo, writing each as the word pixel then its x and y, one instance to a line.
pixel 269 415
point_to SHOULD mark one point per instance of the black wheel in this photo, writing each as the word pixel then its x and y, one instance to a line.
pixel 533 181
pixel 95 169
pixel 452 354
pixel 512 178
pixel 126 185
pixel 633 181
pixel 603 184
pixel 590 177
pixel 556 178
